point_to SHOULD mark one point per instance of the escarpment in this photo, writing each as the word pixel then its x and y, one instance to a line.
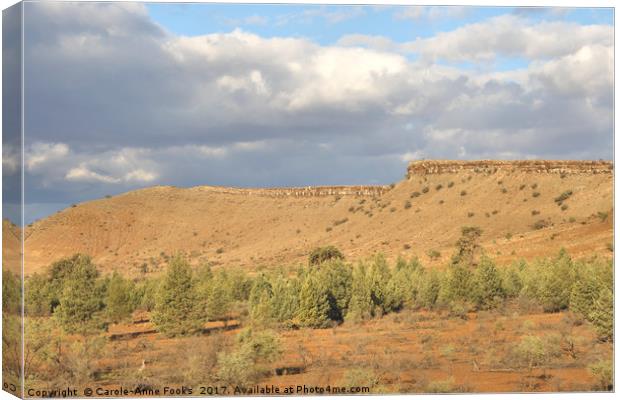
pixel 425 167
pixel 515 203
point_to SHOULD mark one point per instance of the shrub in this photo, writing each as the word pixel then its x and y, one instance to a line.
pixel 450 184
pixel 535 194
pixel 177 309
pixel 323 254
pixel 535 212
pixel 564 207
pixel 415 194
pixel 564 196
pixel 602 216
pixel 540 224
pixel 433 254
pixel 470 214
pixel 407 205
pixel 439 187
pixel 425 189
pixel 340 221
pixel 463 193
pixel 531 352
pixel 467 245
pixel 521 187
pixel 504 190
pixel 604 373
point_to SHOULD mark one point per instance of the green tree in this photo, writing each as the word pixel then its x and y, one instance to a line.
pixel 602 314
pixel 119 302
pixel 361 303
pixel 488 291
pixel 314 305
pixel 285 299
pixel 260 300
pixel 429 287
pixel 177 310
pixel 322 254
pixel 337 278
pixel 467 246
pixel 80 299
pixel 556 283
pixel 219 299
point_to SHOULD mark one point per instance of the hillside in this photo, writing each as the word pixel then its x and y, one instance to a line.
pixel 512 201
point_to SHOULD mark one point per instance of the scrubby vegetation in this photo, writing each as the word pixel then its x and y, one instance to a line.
pixel 71 297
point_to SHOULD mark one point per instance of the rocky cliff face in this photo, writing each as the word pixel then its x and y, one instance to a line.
pixel 308 191
pixel 568 167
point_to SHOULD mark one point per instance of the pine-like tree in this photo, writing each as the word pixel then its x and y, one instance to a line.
pixel 487 288
pixel 361 304
pixel 314 306
pixel 119 304
pixel 602 314
pixel 556 282
pixel 177 310
pixel 337 278
pixel 80 299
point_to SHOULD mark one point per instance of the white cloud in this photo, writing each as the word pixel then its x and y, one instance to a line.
pixel 39 154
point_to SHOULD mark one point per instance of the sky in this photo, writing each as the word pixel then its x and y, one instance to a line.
pixel 120 96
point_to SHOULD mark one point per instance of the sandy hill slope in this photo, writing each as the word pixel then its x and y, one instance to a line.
pixel 11 248
pixel 514 202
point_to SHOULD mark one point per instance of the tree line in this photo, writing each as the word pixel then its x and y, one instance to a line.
pixel 325 292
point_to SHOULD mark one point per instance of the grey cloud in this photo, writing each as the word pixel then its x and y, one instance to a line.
pixel 115 102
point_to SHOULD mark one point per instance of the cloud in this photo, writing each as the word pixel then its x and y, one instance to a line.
pixel 513 36
pixel 431 13
pixel 40 154
pixel 116 102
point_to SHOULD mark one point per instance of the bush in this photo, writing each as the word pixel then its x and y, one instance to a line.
pixel 322 254
pixel 564 196
pixel 433 254
pixel 407 205
pixel 535 194
pixel 531 352
pixel 603 371
pixel 463 192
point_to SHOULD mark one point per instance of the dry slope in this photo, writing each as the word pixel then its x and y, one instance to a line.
pixel 512 201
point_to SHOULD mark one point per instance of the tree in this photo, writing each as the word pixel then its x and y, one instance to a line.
pixel 337 278
pixel 80 298
pixel 467 246
pixel 285 300
pixel 429 287
pixel 218 297
pixel 314 306
pixel 378 278
pixel 177 310
pixel 322 254
pixel 556 282
pixel 260 300
pixel 602 314
pixel 119 302
pixel 361 304
pixel 487 285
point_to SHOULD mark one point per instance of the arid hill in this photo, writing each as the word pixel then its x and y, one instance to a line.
pixel 526 209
